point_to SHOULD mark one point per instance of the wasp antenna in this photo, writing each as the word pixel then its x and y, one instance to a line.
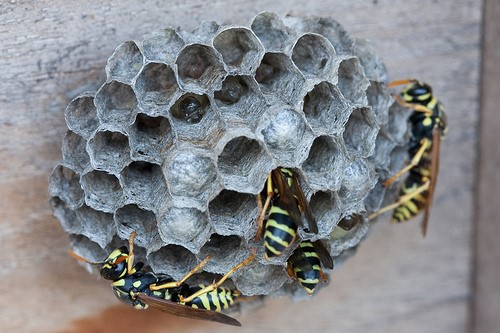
pixel 400 82
pixel 80 258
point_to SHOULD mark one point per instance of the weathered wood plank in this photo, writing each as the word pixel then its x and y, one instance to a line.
pixel 487 252
pixel 53 50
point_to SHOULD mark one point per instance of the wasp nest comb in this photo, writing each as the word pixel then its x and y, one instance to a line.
pixel 179 140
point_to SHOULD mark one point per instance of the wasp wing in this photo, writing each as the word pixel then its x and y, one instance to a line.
pixel 186 311
pixel 323 254
pixel 436 144
pixel 287 198
pixel 304 204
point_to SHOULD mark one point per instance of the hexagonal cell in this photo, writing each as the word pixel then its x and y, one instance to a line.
pixel 203 34
pixel 383 148
pixel 340 246
pixel 149 137
pixel 327 209
pixel 192 176
pixel 347 226
pixel 131 218
pixel 324 164
pixel 313 54
pixel 162 46
pixel 359 179
pixel 352 81
pixel 360 132
pixel 277 75
pixel 286 135
pixel 374 67
pixel 125 62
pixel 109 151
pixel 144 184
pixel 240 101
pixel 240 163
pixel 88 249
pixel 325 109
pixel 74 152
pixel 259 279
pixel 225 252
pixel 156 87
pixel 190 108
pixel 116 104
pixel 240 48
pixel 397 125
pixel 65 214
pixel 188 227
pixel 379 100
pixel 81 115
pixel 102 191
pixel 271 31
pixel 172 260
pixel 98 226
pixel 324 26
pixel 376 197
pixel 64 183
pixel 195 121
pixel 234 213
pixel 200 69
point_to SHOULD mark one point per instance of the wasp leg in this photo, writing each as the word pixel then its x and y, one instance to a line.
pixel 323 276
pixel 424 145
pixel 263 209
pixel 176 284
pixel 402 199
pixel 130 260
pixel 217 284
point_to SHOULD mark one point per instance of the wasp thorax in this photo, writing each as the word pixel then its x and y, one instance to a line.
pixel 180 139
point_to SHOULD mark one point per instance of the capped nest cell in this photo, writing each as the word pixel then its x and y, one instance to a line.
pixel 179 140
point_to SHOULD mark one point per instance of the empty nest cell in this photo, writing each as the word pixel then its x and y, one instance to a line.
pixel 81 115
pixel 156 86
pixel 109 151
pixel 360 132
pixel 125 62
pixel 150 138
pixel 74 152
pixel 116 104
pixel 240 49
pixel 102 191
pixel 162 46
pixel 199 68
pixel 313 55
pixel 325 109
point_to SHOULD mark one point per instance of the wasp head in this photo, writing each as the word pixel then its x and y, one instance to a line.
pixel 115 265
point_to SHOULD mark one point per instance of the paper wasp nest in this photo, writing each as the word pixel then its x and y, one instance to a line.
pixel 181 137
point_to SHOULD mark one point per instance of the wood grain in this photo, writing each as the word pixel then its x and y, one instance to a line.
pixel 51 51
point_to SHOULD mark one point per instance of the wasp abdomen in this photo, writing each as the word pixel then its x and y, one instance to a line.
pixel 216 300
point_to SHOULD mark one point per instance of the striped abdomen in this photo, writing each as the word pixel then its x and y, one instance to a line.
pixel 280 231
pixel 415 205
pixel 306 266
pixel 216 300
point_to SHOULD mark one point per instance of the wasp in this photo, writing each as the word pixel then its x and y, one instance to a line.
pixel 428 123
pixel 305 264
pixel 287 202
pixel 142 289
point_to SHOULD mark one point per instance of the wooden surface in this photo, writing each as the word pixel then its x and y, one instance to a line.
pixel 51 51
pixel 486 304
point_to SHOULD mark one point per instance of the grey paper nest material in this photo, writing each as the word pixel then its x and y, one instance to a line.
pixel 181 137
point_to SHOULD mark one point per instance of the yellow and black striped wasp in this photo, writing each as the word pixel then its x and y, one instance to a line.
pixel 141 290
pixel 428 127
pixel 305 264
pixel 287 201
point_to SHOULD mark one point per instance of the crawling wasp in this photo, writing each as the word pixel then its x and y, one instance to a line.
pixel 428 126
pixel 305 264
pixel 287 201
pixel 141 290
